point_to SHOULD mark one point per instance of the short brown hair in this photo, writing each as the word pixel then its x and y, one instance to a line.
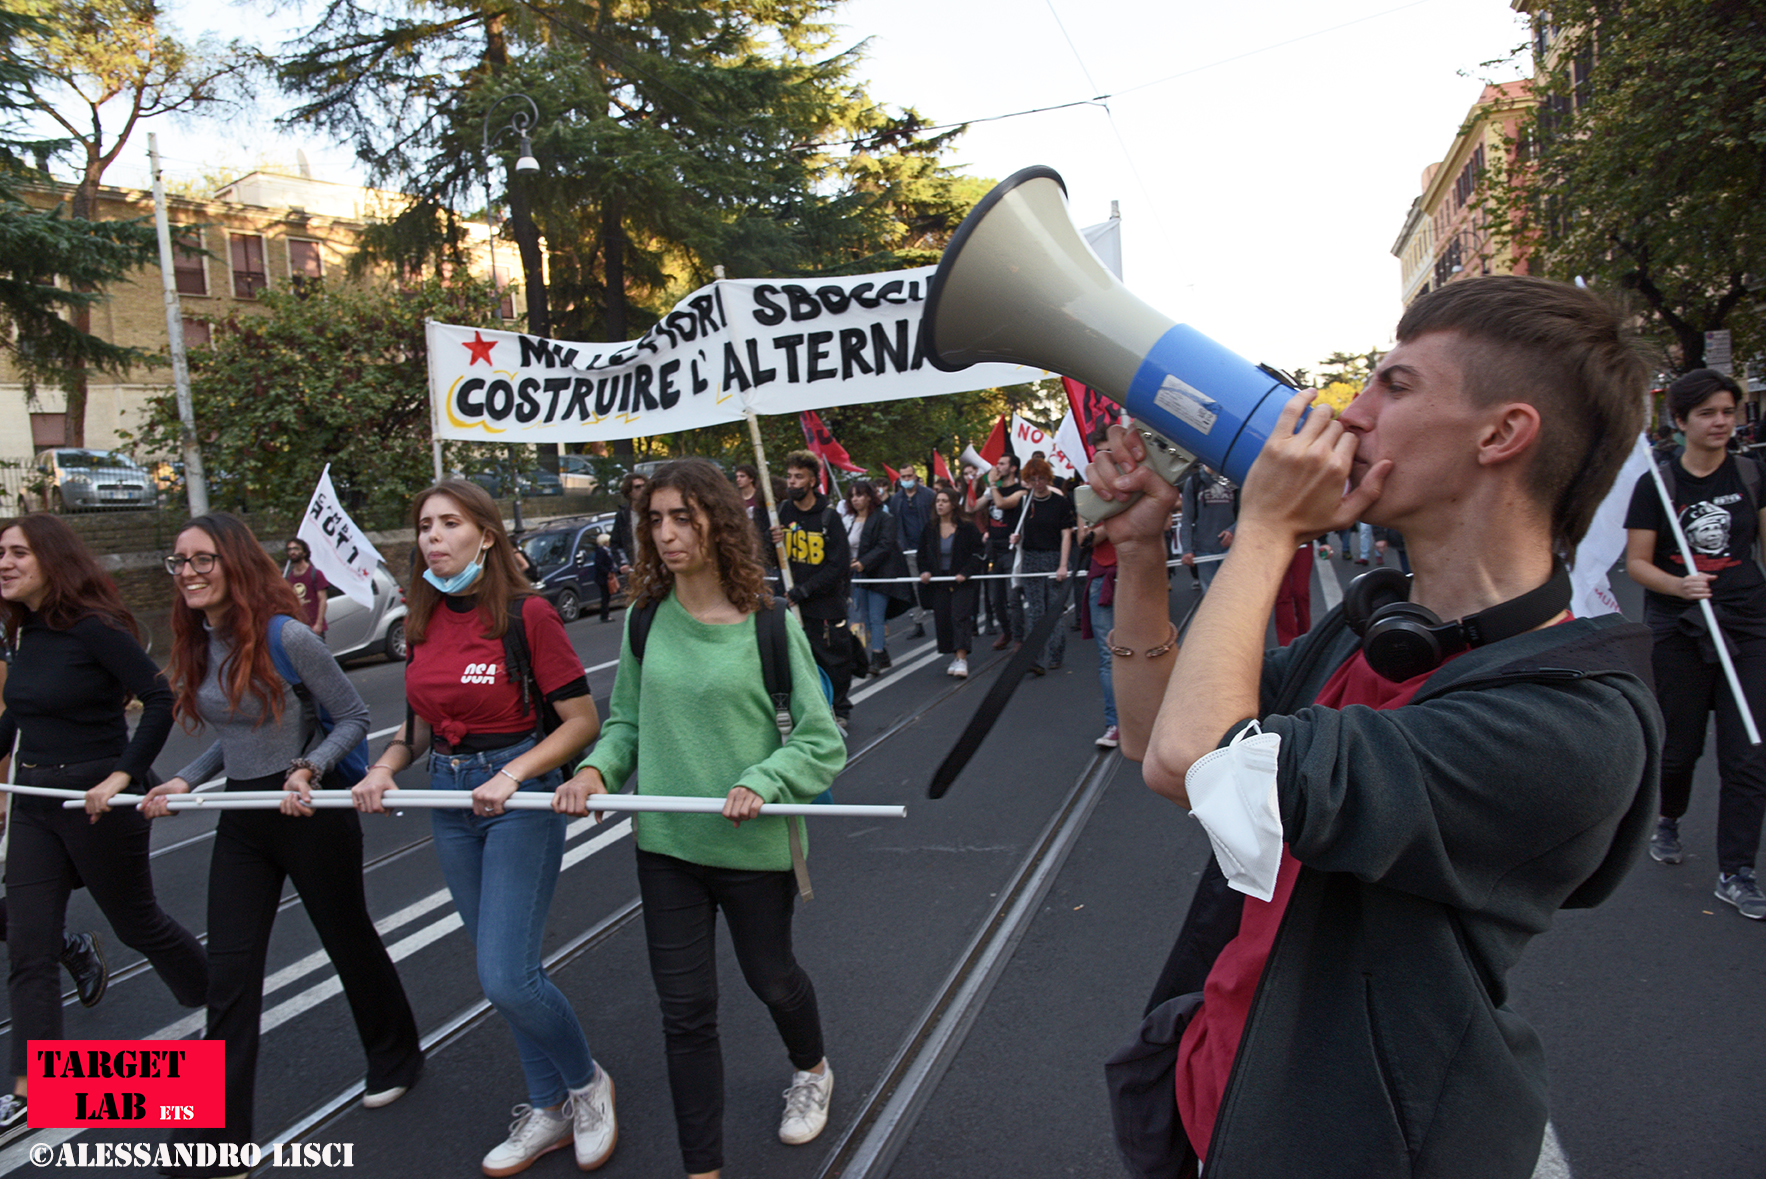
pixel 1037 468
pixel 803 460
pixel 1567 353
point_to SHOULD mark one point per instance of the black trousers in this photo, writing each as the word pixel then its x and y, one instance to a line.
pixel 53 851
pixel 255 851
pixel 681 903
pixel 1689 690
pixel 953 615
pixel 1008 615
pixel 831 643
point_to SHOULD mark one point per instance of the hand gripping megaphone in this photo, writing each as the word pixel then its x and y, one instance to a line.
pixel 1019 284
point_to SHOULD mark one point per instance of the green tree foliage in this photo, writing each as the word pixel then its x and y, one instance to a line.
pixel 672 138
pixel 334 374
pixel 102 66
pixel 38 245
pixel 1644 165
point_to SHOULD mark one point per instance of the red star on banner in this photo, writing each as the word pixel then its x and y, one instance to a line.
pixel 480 349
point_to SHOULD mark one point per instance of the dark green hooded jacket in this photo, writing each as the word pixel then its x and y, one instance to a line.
pixel 1435 841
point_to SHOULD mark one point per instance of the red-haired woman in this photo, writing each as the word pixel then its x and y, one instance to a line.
pixel 79 661
pixel 224 677
pixel 501 865
pixel 697 569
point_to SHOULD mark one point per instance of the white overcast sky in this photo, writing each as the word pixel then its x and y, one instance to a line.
pixel 1264 153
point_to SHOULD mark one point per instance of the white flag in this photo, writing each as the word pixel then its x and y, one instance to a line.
pixel 340 551
pixel 1069 442
pixel 1590 592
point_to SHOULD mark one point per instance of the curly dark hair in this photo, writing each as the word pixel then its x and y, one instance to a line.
pixel 728 531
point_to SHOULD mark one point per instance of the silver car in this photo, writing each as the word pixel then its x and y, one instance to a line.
pixel 70 479
pixel 352 629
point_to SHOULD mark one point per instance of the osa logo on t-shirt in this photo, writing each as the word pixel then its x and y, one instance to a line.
pixel 479 673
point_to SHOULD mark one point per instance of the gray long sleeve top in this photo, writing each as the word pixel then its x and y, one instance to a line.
pixel 246 749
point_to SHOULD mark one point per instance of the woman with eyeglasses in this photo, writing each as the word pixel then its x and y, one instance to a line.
pixel 224 677
pixel 484 735
pixel 79 660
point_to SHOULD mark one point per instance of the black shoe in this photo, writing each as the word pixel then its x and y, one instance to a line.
pixel 1664 845
pixel 919 631
pixel 1001 643
pixel 880 662
pixel 1054 665
pixel 12 1118
pixel 85 961
pixel 1038 669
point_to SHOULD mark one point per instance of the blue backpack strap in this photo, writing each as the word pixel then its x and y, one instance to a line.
pixel 279 653
pixel 354 763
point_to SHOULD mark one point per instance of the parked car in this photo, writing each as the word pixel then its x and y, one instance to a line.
pixel 562 554
pixel 70 479
pixel 494 478
pixel 353 630
pixel 577 473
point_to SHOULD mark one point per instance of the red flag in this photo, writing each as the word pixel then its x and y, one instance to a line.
pixel 1090 410
pixel 894 475
pixel 996 442
pixel 820 441
pixel 940 469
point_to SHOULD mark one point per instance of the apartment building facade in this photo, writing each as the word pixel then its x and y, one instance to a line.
pixel 264 231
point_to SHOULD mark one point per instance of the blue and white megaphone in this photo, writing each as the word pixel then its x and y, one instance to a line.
pixel 1019 284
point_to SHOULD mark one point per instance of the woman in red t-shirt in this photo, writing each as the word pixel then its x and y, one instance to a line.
pixel 501 865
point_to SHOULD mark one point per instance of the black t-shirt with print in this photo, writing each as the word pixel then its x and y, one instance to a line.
pixel 1721 526
pixel 1002 522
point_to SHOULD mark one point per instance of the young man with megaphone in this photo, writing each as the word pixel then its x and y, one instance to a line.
pixel 1403 801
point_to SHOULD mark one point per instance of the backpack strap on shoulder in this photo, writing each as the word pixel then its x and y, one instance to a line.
pixel 775 673
pixel 775 664
pixel 638 630
pixel 518 664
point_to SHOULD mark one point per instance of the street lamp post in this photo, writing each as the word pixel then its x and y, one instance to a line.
pixel 521 123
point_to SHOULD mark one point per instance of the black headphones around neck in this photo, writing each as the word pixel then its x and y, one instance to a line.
pixel 1402 640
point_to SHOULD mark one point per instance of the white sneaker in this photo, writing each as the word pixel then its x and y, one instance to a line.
pixel 959 667
pixel 597 1130
pixel 806 1106
pixel 1111 739
pixel 533 1132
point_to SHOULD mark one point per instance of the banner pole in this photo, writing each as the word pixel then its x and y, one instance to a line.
pixel 1741 700
pixel 766 489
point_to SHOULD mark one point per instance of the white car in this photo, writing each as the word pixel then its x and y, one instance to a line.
pixel 72 479
pixel 352 629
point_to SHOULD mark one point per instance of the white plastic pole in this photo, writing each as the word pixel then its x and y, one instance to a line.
pixel 445 799
pixel 1741 699
pixel 195 483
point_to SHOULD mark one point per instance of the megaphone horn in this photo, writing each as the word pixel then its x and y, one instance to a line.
pixel 1019 284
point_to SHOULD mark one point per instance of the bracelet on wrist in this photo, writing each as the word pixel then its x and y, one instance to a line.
pixel 1150 653
pixel 508 775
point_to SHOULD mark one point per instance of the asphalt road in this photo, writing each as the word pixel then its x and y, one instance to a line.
pixel 974 964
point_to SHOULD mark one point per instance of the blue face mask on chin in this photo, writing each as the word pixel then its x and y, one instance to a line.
pixel 460 580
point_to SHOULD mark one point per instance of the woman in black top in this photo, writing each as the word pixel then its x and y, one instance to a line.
pixel 1046 540
pixel 78 663
pixel 1718 504
pixel 951 547
pixel 876 552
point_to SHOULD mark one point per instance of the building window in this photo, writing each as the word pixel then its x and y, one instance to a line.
pixel 47 430
pixel 305 265
pixel 249 275
pixel 196 333
pixel 189 267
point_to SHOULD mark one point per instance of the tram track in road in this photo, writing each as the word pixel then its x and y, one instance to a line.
pixel 873 1140
pixel 472 1016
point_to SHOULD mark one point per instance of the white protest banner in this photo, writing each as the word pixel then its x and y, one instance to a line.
pixel 775 346
pixel 340 551
pixel 1026 438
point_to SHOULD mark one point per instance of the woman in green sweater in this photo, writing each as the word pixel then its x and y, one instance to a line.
pixel 699 692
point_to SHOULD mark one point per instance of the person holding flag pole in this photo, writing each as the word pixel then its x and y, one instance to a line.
pixel 1694 543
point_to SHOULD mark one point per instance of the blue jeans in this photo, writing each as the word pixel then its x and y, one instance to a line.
pixel 501 870
pixel 1103 619
pixel 868 606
